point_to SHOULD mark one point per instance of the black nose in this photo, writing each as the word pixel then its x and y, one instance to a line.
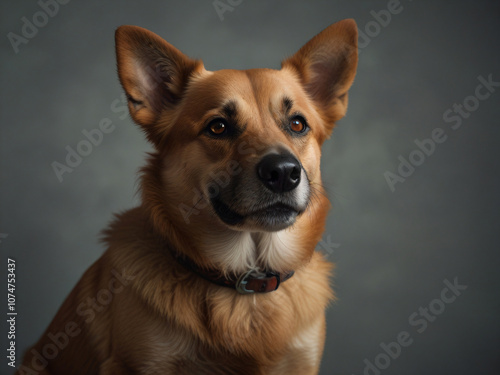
pixel 279 172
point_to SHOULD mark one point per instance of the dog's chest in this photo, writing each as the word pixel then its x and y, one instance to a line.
pixel 187 355
pixel 166 347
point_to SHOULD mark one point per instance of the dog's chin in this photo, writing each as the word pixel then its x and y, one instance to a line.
pixel 272 218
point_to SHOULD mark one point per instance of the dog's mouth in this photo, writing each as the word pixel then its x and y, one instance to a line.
pixel 273 217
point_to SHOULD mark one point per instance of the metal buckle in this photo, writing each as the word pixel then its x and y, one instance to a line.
pixel 242 281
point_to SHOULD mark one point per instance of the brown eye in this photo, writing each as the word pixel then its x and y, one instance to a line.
pixel 217 127
pixel 297 125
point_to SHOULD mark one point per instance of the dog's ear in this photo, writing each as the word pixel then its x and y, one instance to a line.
pixel 326 66
pixel 153 73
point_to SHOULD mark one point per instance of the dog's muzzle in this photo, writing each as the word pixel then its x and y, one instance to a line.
pixel 269 196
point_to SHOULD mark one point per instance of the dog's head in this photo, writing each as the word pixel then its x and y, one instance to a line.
pixel 237 150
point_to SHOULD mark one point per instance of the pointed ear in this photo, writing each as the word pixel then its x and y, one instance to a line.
pixel 326 66
pixel 153 73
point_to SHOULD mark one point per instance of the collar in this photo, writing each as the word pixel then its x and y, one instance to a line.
pixel 252 281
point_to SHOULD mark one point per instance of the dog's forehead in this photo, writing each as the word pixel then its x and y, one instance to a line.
pixel 262 88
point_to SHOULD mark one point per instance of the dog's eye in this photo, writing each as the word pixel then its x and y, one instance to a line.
pixel 217 127
pixel 298 125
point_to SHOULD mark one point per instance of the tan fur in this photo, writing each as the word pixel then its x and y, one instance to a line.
pixel 149 314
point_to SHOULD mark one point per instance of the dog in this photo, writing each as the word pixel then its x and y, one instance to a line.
pixel 215 272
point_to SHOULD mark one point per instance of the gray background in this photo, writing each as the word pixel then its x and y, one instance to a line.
pixel 393 250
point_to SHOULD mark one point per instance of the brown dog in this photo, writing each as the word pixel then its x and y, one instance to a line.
pixel 215 272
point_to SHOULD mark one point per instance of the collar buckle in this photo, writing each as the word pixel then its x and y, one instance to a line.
pixel 257 282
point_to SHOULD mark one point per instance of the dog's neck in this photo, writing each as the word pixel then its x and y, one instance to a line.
pixel 237 252
pixel 253 280
pixel 240 251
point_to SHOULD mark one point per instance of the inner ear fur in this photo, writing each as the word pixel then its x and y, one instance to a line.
pixel 326 66
pixel 152 72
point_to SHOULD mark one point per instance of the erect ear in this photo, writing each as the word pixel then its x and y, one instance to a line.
pixel 326 66
pixel 153 73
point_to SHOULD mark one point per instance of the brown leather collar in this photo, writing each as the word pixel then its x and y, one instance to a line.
pixel 250 282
